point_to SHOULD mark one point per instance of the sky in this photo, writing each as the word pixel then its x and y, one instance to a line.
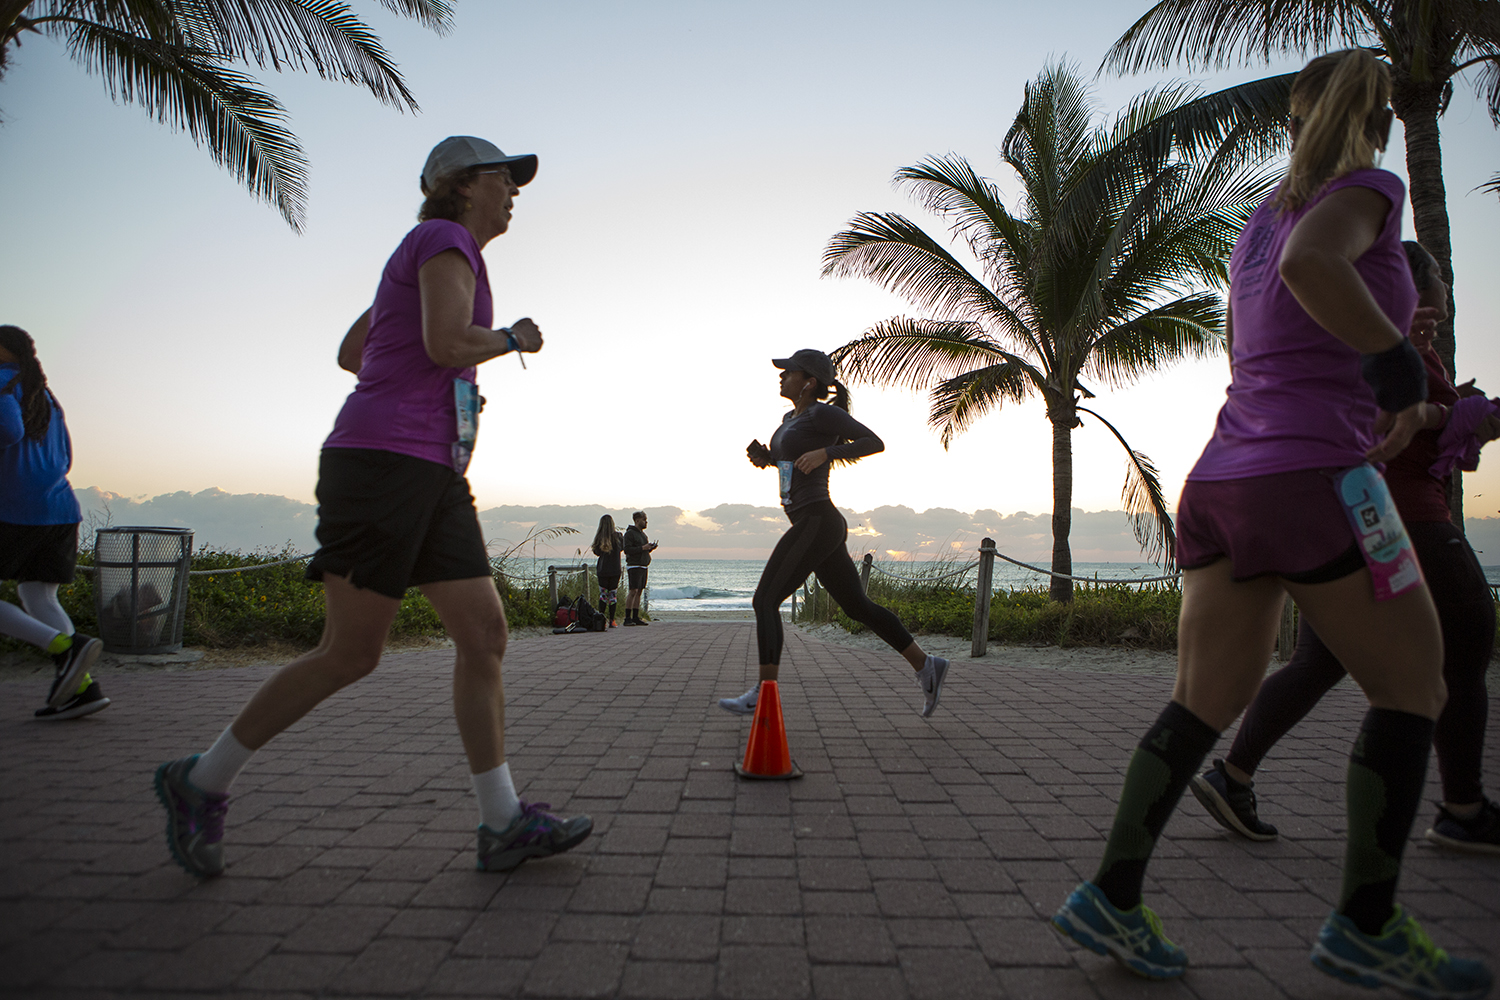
pixel 694 161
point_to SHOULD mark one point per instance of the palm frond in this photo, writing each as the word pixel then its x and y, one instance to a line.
pixel 189 90
pixel 1144 502
pixel 959 401
pixel 1215 34
pixel 896 253
pixel 912 353
pixel 321 35
pixel 435 15
pixel 1492 186
pixel 1189 327
pixel 1049 138
pixel 1225 133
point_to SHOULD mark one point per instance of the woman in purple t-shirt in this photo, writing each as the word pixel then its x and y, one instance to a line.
pixel 395 511
pixel 1283 501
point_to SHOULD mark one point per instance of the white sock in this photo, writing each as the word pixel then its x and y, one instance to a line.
pixel 19 625
pixel 220 764
pixel 498 802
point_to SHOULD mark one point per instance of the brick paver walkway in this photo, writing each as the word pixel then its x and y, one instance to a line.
pixel 917 858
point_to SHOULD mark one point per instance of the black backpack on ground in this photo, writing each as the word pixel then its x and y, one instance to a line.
pixel 589 619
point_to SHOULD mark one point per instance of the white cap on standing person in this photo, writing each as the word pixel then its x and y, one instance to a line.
pixel 460 152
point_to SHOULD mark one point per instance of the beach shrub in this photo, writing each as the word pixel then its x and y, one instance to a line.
pixel 275 604
pixel 1106 615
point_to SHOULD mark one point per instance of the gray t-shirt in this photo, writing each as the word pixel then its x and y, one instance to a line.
pixel 819 426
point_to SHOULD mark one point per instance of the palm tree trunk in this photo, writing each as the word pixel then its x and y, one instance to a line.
pixel 1063 418
pixel 1418 104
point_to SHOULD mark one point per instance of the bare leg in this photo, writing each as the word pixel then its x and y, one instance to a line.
pixel 353 638
pixel 474 617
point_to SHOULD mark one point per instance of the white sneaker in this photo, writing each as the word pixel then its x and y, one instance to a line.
pixel 930 677
pixel 744 704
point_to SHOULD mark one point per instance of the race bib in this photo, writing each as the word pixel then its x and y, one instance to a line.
pixel 785 471
pixel 466 411
pixel 1383 540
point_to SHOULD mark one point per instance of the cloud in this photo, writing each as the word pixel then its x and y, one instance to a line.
pixel 248 522
pixel 260 522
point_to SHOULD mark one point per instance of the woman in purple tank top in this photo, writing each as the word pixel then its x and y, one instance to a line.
pixel 1284 501
pixel 395 511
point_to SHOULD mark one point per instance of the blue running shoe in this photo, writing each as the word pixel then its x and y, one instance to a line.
pixel 533 834
pixel 1133 937
pixel 195 819
pixel 1402 956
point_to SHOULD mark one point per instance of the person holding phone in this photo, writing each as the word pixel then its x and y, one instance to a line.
pixel 395 511
pixel 638 549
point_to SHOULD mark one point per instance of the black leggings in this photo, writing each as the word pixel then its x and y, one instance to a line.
pixel 1467 614
pixel 815 544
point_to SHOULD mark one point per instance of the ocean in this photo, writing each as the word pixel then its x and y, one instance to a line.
pixel 728 584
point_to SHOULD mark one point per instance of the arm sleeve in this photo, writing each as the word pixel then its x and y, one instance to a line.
pixel 12 427
pixel 861 441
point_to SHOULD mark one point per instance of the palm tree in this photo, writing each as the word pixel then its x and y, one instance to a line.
pixel 1428 43
pixel 1106 268
pixel 175 59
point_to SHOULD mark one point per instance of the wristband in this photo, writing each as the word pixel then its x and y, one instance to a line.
pixel 510 340
pixel 1397 376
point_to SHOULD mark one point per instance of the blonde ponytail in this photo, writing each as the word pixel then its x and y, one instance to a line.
pixel 1339 105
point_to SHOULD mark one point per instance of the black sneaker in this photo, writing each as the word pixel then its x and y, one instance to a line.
pixel 86 702
pixel 72 663
pixel 1479 834
pixel 1231 803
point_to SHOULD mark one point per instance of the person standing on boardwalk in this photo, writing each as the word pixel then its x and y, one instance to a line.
pixel 1466 819
pixel 638 549
pixel 39 518
pixel 395 511
pixel 812 436
pixel 608 546
pixel 1283 500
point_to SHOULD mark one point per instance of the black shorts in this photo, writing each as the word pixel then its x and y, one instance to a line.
pixel 636 576
pixel 389 522
pixel 609 582
pixel 38 553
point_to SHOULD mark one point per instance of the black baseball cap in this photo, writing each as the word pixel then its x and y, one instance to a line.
pixel 815 363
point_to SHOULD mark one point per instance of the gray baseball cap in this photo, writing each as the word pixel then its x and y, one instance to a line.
pixel 460 152
pixel 815 363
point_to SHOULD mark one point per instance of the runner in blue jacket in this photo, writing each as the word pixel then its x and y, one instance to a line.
pixel 39 519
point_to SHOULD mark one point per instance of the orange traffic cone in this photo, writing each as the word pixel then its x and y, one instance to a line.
pixel 766 754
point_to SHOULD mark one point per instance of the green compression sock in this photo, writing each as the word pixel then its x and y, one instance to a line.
pixel 87 680
pixel 1386 773
pixel 1167 758
pixel 61 644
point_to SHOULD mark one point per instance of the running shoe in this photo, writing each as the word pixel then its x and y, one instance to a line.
pixel 1134 938
pixel 533 834
pixel 1230 802
pixel 931 678
pixel 631 621
pixel 195 818
pixel 744 704
pixel 72 663
pixel 1401 956
pixel 88 700
pixel 1479 834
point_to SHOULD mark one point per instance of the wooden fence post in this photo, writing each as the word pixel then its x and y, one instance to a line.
pixel 1286 637
pixel 864 572
pixel 552 587
pixel 982 598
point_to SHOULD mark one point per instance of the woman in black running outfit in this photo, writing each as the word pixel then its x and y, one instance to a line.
pixel 811 436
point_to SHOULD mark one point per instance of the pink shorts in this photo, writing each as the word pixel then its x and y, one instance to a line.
pixel 1288 524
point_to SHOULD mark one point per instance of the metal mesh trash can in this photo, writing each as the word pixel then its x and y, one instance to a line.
pixel 141 587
